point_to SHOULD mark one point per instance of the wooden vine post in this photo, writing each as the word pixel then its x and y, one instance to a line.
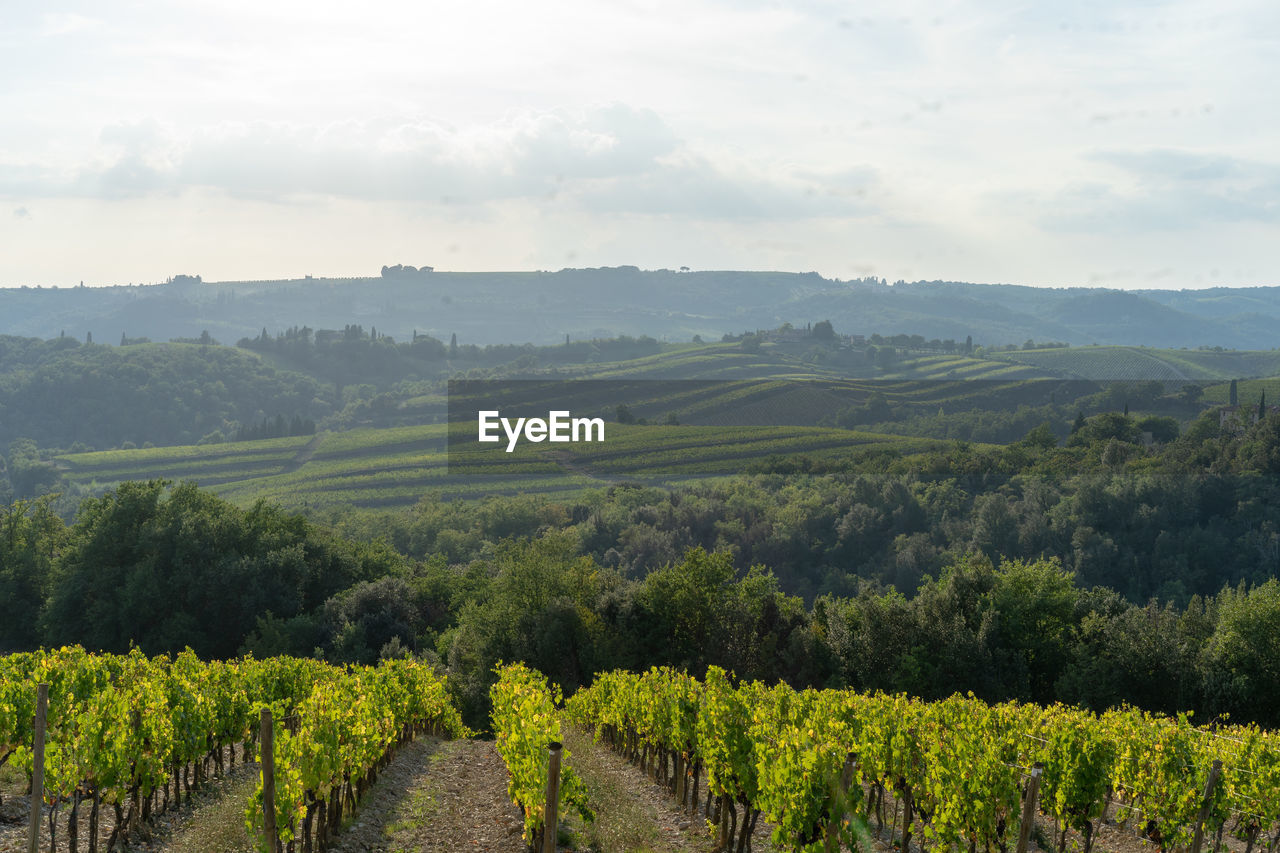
pixel 37 767
pixel 550 820
pixel 267 760
pixel 1206 803
pixel 1029 807
pixel 836 822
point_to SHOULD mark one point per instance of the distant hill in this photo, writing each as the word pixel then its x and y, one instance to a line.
pixel 1137 363
pixel 543 307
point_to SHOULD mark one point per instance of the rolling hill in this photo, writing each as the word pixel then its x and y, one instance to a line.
pixel 542 307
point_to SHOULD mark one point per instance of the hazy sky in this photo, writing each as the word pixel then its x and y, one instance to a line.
pixel 1129 144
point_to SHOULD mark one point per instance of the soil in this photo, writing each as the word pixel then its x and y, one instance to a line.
pixel 215 817
pixel 436 796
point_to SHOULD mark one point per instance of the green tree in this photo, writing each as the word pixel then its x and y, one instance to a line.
pixel 1041 437
pixel 165 569
pixel 537 609
pixel 1162 429
pixel 1035 604
pixel 31 536
pixel 1241 661
pixel 686 602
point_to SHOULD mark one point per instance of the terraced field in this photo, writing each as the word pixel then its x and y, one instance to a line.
pixel 775 361
pixel 211 463
pixel 388 467
pixel 1248 392
pixel 712 411
pixel 1141 363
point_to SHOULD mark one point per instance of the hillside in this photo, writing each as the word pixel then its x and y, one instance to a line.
pixel 398 466
pixel 1141 363
pixel 543 307
pixel 240 419
pixel 62 393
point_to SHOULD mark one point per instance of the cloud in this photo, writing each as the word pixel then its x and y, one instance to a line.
pixel 613 159
pixel 1157 190
pixel 694 186
pixel 67 23
pixel 527 156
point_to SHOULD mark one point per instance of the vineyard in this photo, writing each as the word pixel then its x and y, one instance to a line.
pixel 212 464
pixel 398 466
pixel 130 737
pixel 526 723
pixel 136 735
pixel 958 770
pixel 1142 363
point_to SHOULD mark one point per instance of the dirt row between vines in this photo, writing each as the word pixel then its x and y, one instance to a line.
pixel 438 796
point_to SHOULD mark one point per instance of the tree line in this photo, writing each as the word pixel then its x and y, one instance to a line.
pixel 166 568
pixel 1168 520
pixel 71 396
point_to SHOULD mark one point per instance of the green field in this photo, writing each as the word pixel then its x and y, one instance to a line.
pixel 399 466
pixel 782 361
pixel 210 463
pixel 1142 363
pixel 711 410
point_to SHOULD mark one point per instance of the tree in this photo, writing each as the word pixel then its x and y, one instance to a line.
pixel 1241 661
pixel 685 602
pixel 166 569
pixel 1162 429
pixel 953 625
pixel 1036 603
pixel 823 331
pixel 364 619
pixel 1233 394
pixel 453 345
pixel 536 609
pixel 1041 437
pixel 31 535
pixel 1103 428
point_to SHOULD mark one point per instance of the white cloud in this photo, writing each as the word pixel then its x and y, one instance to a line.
pixel 1157 190
pixel 67 23
pixel 1073 127
pixel 613 159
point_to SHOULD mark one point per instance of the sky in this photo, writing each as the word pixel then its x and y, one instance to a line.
pixel 1132 144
